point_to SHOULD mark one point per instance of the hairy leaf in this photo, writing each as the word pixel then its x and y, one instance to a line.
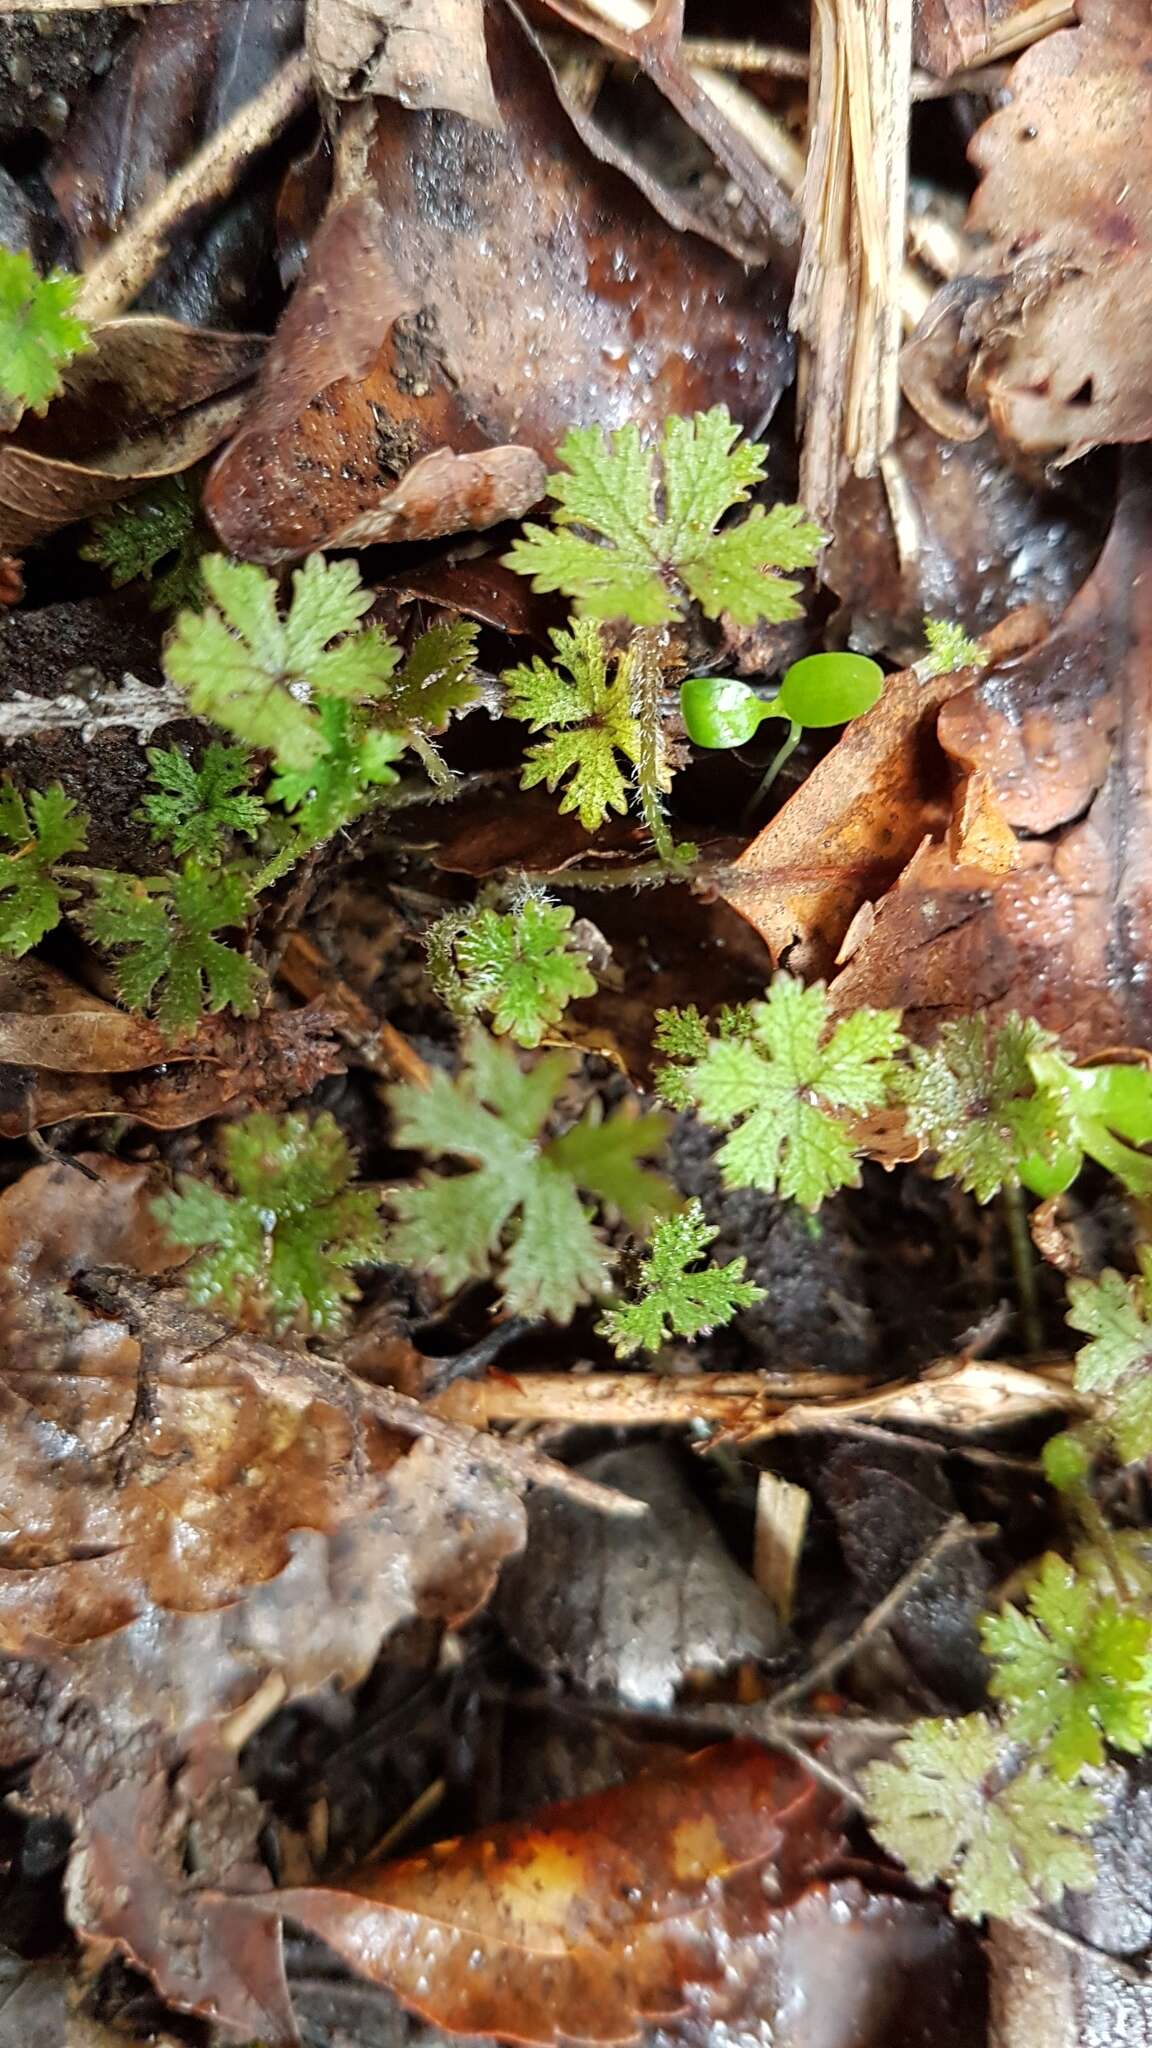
pixel 521 967
pixel 634 529
pixel 281 1249
pixel 1115 1369
pixel 674 1300
pixel 518 1209
pixel 157 526
pixel 32 889
pixel 948 1807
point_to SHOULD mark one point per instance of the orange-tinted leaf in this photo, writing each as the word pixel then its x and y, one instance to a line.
pixel 594 1916
pixel 844 837
pixel 1065 934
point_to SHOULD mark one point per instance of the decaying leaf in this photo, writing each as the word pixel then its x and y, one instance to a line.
pixel 856 820
pixel 185 1499
pixel 65 1052
pixel 958 35
pixel 594 1916
pixel 633 1608
pixel 395 348
pixel 424 53
pixel 1065 935
pixel 149 399
pixel 1058 320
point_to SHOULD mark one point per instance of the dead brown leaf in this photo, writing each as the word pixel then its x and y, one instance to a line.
pixel 842 840
pixel 395 346
pixel 1063 353
pixel 594 1916
pixel 148 400
pixel 64 1052
pixel 188 1514
pixel 1066 935
pixel 424 53
pixel 957 35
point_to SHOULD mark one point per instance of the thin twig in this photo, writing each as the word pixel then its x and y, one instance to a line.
pixel 632 1400
pixel 1132 1973
pixel 121 273
pixel 954 1532
pixel 135 703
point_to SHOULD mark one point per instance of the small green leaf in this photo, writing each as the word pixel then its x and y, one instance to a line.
pixel 1115 1369
pixel 198 810
pixel 591 720
pixel 259 676
pixel 521 966
pixel 39 333
pixel 518 1208
pixel 627 561
pixel 164 933
pixel 1074 1672
pixel 33 888
pixel 949 1805
pixel 949 649
pixel 718 711
pixel 675 1300
pixel 280 1251
pixel 784 1080
pixel 156 526
pixel 829 689
pixel 974 1100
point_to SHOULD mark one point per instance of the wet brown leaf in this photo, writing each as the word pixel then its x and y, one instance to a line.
pixel 595 1915
pixel 1066 935
pixel 64 1052
pixel 424 53
pixel 396 347
pixel 1066 200
pixel 950 531
pixel 845 836
pixel 195 1513
pixel 633 1608
pixel 150 399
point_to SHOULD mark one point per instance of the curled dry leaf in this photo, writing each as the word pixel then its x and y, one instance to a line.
pixel 394 347
pixel 847 833
pixel 424 53
pixel 195 1513
pixel 1063 357
pixel 65 1053
pixel 596 1915
pixel 149 399
pixel 1066 934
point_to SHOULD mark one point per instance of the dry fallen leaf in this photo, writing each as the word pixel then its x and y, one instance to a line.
pixel 149 399
pixel 594 1916
pixel 195 1513
pixel 424 53
pixel 856 820
pixel 64 1052
pixel 1066 934
pixel 395 347
pixel 1063 356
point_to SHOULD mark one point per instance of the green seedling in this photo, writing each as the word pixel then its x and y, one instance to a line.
pixel 821 690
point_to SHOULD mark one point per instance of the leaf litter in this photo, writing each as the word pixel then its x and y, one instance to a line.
pixel 413 1293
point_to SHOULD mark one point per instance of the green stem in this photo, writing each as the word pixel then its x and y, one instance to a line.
pixel 777 762
pixel 646 667
pixel 1023 1265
